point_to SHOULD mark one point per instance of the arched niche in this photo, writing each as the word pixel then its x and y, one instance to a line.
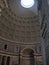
pixel 28 57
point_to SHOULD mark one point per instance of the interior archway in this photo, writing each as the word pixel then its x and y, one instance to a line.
pixel 28 57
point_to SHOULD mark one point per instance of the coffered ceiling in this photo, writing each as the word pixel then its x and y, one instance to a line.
pixel 17 23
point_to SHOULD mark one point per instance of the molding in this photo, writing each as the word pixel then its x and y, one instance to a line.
pixel 21 43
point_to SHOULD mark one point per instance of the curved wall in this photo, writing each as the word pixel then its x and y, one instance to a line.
pixel 18 33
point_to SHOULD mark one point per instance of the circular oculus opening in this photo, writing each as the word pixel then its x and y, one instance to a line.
pixel 27 3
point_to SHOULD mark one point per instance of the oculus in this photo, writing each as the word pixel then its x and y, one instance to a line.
pixel 27 3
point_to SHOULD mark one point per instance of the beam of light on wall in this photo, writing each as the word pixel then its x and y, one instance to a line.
pixel 27 3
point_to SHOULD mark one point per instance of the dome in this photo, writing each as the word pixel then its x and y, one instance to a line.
pixel 19 24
